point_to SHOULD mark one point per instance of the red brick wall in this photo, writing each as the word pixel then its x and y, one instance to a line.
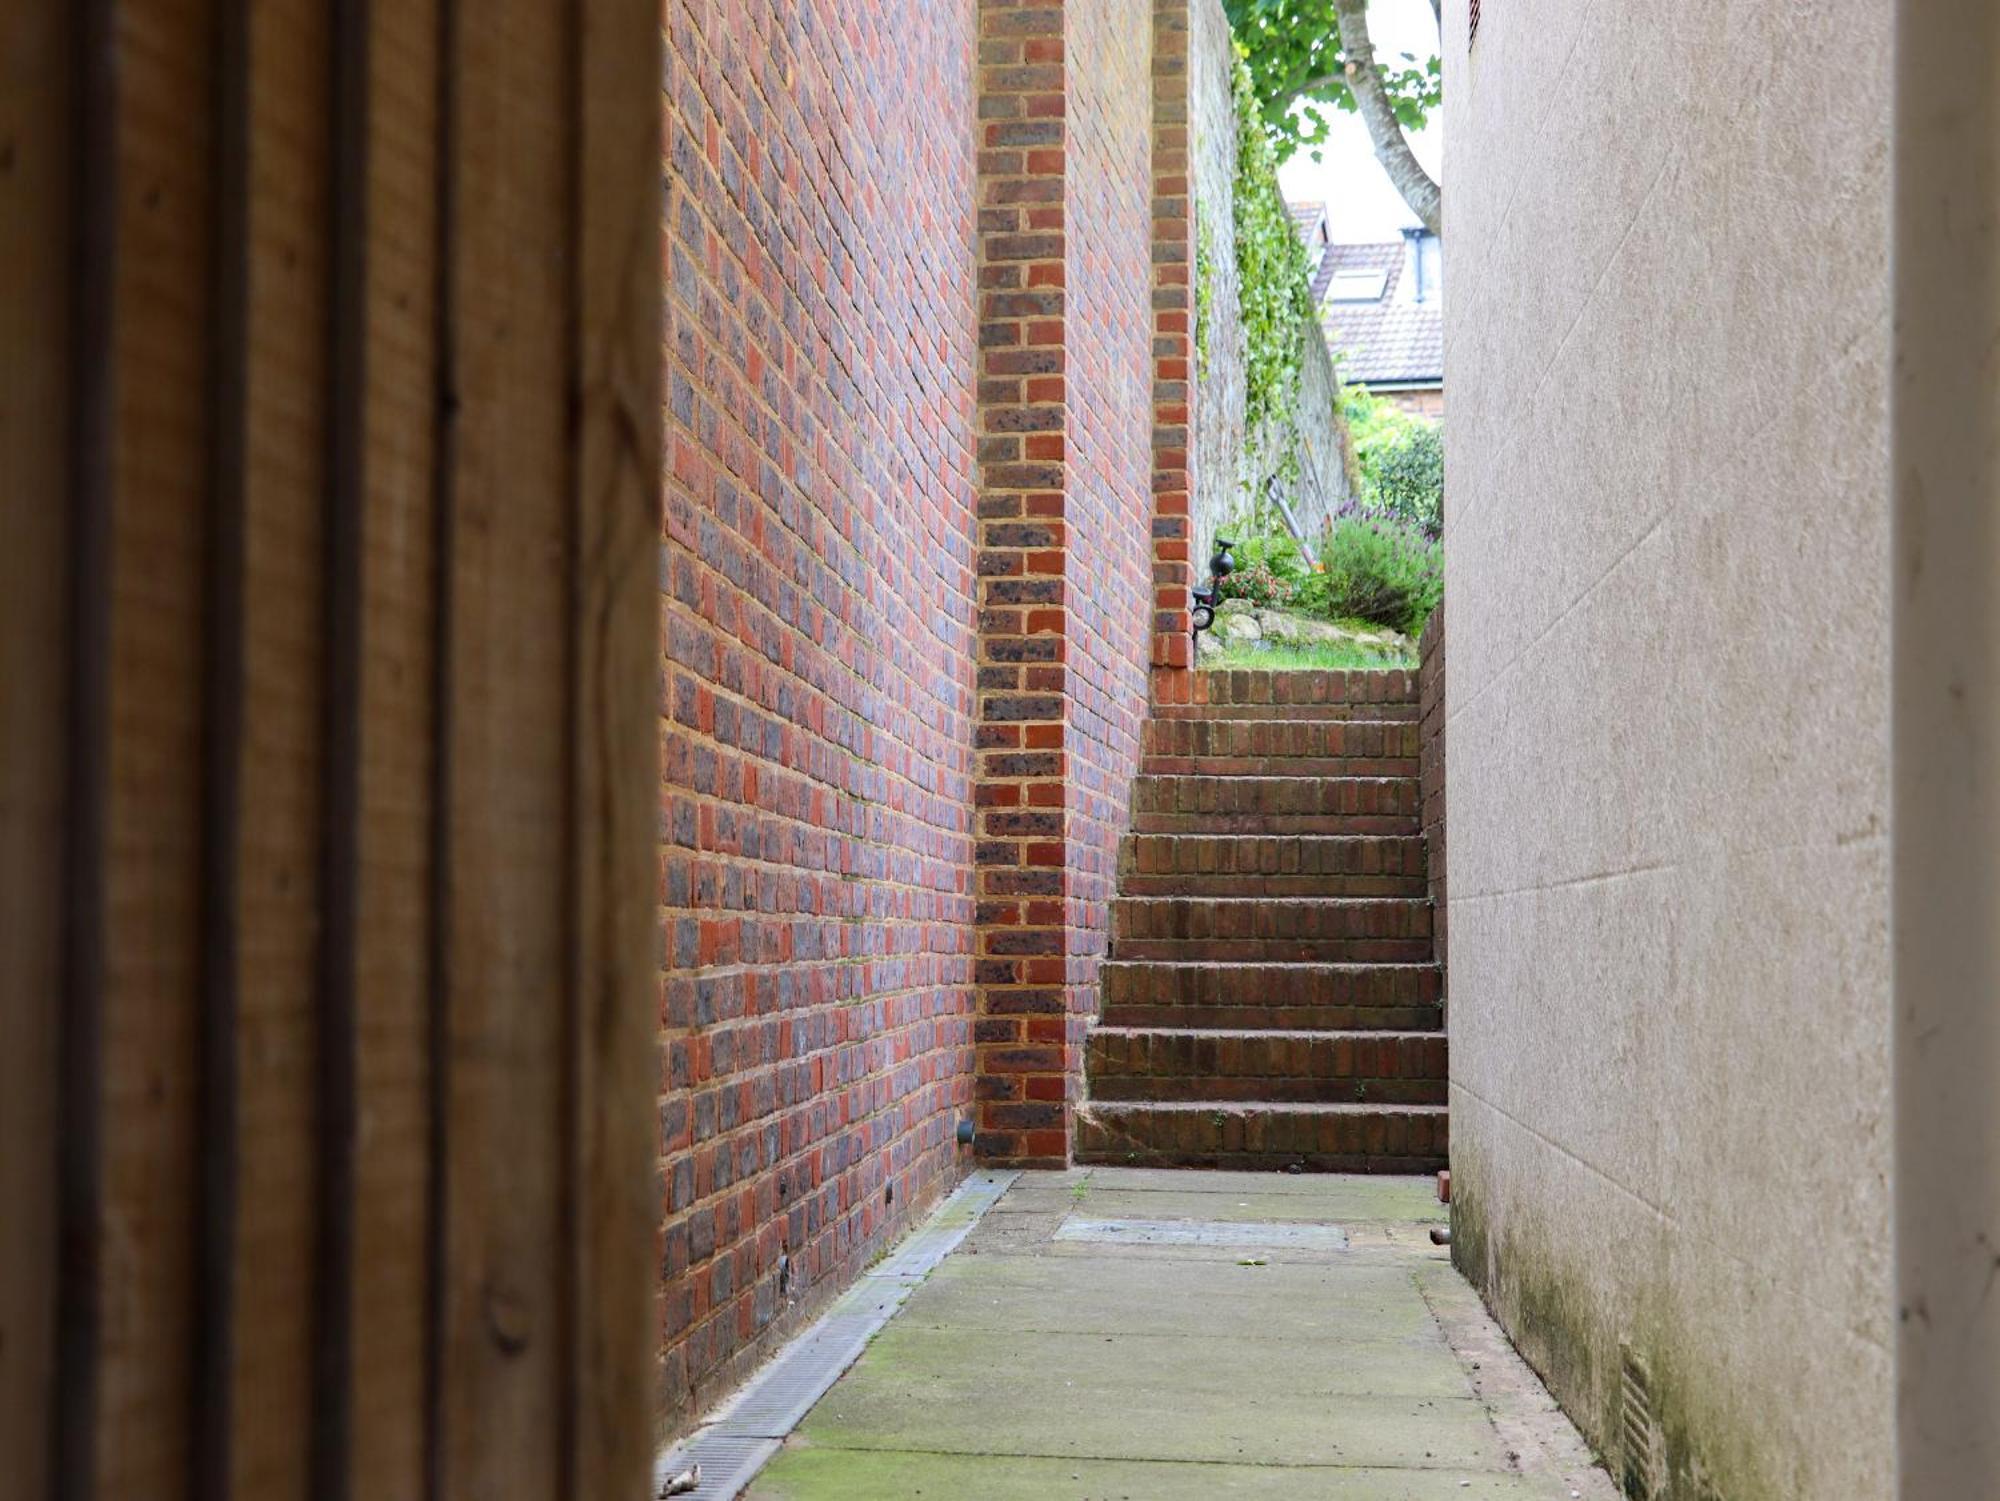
pixel 907 593
pixel 1110 501
pixel 1065 448
pixel 1430 750
pixel 1173 332
pixel 817 683
pixel 1024 382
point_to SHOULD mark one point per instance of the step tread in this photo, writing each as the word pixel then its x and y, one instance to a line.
pixel 1275 901
pixel 1273 1034
pixel 1266 1135
pixel 1244 966
pixel 1270 1107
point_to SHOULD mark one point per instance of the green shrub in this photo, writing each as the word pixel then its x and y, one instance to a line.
pixel 1378 569
pixel 1401 458
pixel 1405 476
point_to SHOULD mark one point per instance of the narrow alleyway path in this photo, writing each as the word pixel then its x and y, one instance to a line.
pixel 1141 1335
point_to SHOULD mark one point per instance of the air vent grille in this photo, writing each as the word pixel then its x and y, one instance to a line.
pixel 1641 1470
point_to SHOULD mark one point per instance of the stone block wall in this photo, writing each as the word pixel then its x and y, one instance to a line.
pixel 1322 487
pixel 1227 466
pixel 1219 383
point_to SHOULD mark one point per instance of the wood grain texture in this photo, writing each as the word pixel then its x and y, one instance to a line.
pixel 399 681
pixel 618 462
pixel 508 983
pixel 279 653
pixel 150 854
pixel 34 332
pixel 326 1056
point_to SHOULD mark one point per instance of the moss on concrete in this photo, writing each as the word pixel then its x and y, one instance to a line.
pixel 1549 1303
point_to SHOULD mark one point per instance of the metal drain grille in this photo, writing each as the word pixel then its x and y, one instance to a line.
pixel 1246 1234
pixel 743 1433
pixel 728 1463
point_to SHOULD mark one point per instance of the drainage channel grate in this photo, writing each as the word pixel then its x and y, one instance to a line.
pixel 1257 1234
pixel 743 1433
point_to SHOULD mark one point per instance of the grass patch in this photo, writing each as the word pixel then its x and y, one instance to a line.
pixel 1280 656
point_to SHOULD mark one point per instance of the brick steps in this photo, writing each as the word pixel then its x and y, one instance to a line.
pixel 1212 691
pixel 1274 805
pixel 1159 1063
pixel 1289 747
pixel 1272 865
pixel 1270 1000
pixel 1381 710
pixel 1239 996
pixel 1264 1136
pixel 1394 930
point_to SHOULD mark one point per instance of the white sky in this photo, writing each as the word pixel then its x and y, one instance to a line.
pixel 1361 204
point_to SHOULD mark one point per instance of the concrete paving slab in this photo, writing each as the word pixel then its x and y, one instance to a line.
pixel 1280 1303
pixel 1031 1367
pixel 1211 1399
pixel 1160 1363
pixel 1334 1207
pixel 1342 1195
pixel 804 1473
pixel 1290 1235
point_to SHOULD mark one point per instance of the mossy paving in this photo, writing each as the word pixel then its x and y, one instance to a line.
pixel 1034 1368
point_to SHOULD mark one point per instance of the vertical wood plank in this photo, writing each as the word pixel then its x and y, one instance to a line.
pixel 279 650
pixel 616 90
pixel 504 1335
pixel 160 362
pixel 391 1306
pixel 35 205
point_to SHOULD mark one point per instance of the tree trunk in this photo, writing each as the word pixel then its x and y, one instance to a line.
pixel 1384 129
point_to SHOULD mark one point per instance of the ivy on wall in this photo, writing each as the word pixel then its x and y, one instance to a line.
pixel 1204 291
pixel 1274 273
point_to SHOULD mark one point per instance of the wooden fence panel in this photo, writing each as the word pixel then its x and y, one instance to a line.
pixel 328 401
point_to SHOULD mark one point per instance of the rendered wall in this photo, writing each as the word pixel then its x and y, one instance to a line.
pixel 818 676
pixel 1668 696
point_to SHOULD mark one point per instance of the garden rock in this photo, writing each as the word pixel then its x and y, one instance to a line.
pixel 1254 622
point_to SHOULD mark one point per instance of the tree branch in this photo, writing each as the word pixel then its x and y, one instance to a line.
pixel 1392 148
pixel 1437 13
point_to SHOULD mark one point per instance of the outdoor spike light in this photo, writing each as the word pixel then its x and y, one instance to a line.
pixel 1221 563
